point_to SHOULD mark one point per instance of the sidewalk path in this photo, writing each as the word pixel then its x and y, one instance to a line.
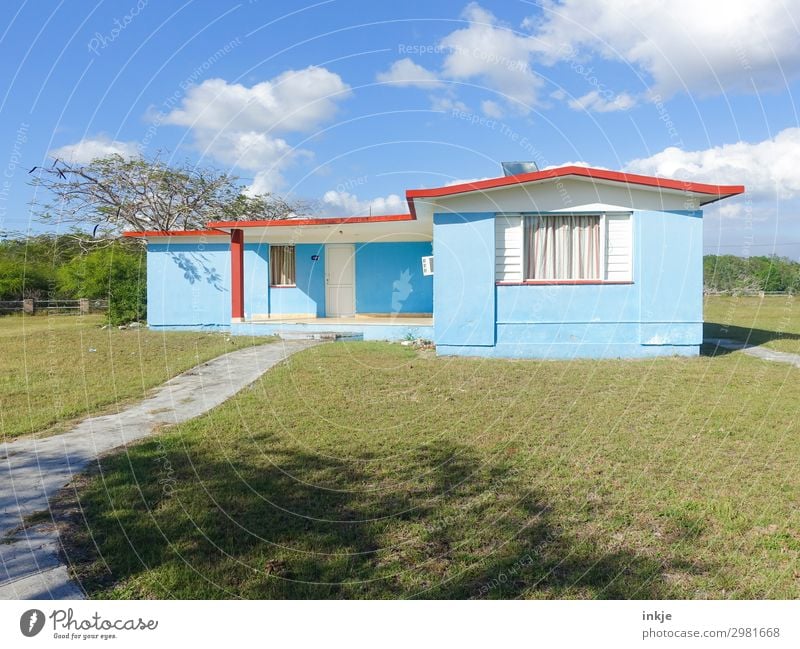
pixel 33 470
pixel 763 353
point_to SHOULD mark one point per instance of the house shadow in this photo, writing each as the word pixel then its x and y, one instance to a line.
pixel 196 268
pixel 438 524
pixel 746 335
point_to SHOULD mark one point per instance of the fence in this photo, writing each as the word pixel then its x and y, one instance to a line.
pixel 53 307
pixel 748 292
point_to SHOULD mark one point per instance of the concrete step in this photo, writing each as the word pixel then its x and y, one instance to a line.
pixel 319 335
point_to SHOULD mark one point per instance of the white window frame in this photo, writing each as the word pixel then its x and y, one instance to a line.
pixel 294 258
pixel 604 224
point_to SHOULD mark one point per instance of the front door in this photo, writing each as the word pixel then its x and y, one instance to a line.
pixel 340 280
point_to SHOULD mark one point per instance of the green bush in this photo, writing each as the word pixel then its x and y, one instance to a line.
pixel 748 274
pixel 115 273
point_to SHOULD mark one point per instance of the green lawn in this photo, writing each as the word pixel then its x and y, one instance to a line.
pixel 54 369
pixel 772 321
pixel 372 470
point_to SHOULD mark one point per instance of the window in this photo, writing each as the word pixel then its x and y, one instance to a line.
pixel 282 265
pixel 563 247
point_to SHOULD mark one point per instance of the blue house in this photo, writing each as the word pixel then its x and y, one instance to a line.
pixel 564 263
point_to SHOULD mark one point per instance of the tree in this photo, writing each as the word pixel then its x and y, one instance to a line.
pixel 750 274
pixel 115 194
pixel 28 264
pixel 116 272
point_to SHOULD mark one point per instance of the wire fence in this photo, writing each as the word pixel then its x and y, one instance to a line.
pixel 53 307
pixel 748 292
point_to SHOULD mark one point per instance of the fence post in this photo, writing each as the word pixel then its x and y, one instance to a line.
pixel 83 306
pixel 29 306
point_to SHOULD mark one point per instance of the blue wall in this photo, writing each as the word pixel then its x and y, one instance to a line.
pixel 188 285
pixel 308 296
pixel 660 313
pixel 463 294
pixel 389 278
pixel 256 277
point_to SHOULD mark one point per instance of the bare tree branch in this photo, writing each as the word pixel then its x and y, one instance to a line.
pixel 115 194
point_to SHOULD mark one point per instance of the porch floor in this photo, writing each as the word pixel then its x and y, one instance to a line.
pixel 358 327
pixel 397 321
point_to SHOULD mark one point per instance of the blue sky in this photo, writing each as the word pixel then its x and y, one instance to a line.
pixel 350 103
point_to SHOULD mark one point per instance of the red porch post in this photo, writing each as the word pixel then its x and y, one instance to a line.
pixel 237 275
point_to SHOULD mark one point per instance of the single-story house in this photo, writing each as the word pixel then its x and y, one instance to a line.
pixel 563 263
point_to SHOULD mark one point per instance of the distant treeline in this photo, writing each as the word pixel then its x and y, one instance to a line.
pixel 70 267
pixel 731 274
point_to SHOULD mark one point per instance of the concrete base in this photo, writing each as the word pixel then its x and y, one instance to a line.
pixel 564 351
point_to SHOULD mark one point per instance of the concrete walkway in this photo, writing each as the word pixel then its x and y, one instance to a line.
pixel 33 470
pixel 763 353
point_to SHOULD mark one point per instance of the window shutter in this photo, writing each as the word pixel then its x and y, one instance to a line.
pixel 508 248
pixel 618 248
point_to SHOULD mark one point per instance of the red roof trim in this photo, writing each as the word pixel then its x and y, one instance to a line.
pixel 175 233
pixel 718 191
pixel 288 223
pixel 586 172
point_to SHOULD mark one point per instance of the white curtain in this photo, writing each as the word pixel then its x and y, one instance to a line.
pixel 562 247
pixel 282 265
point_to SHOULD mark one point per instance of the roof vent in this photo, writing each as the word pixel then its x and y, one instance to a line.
pixel 517 168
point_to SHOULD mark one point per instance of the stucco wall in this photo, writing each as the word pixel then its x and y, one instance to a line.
pixel 463 288
pixel 389 278
pixel 188 285
pixel 308 296
pixel 660 313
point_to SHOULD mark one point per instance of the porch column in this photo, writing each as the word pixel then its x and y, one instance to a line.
pixel 237 275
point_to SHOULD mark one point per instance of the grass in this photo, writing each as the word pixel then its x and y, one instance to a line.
pixel 771 321
pixel 58 368
pixel 370 470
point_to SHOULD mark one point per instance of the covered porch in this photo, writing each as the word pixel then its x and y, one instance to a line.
pixel 352 277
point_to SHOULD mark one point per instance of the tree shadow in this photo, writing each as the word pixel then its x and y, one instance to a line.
pixel 744 335
pixel 196 268
pixel 435 523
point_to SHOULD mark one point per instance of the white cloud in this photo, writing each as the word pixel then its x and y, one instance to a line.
pixel 406 73
pixel 767 169
pixel 596 102
pixel 91 148
pixel 464 181
pixel 241 126
pixel 762 221
pixel 490 53
pixel 343 203
pixel 706 47
pixel 295 100
pixel 448 105
pixel 491 109
pixel 573 163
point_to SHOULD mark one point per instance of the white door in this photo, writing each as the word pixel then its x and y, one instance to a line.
pixel 340 298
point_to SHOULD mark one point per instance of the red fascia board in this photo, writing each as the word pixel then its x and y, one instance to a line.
pixel 146 234
pixel 586 172
pixel 290 223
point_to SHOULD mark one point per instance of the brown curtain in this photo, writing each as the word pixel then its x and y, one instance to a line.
pixel 562 247
pixel 282 265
